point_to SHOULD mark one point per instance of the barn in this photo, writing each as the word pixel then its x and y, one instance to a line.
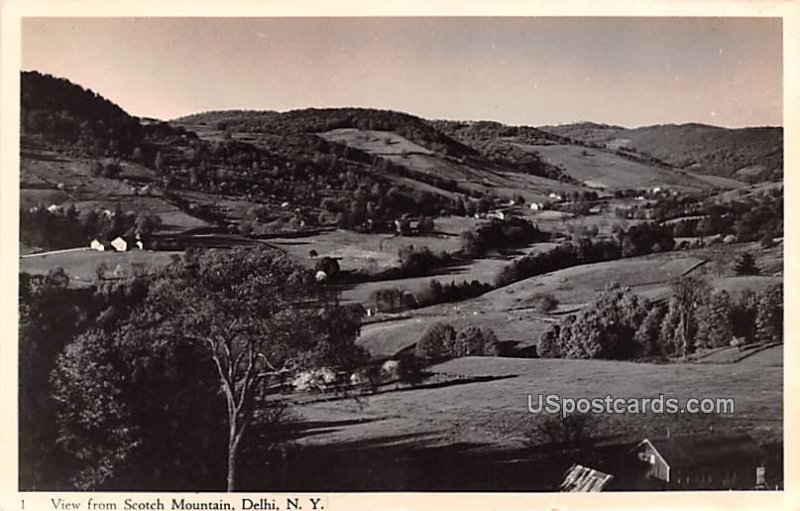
pixel 706 461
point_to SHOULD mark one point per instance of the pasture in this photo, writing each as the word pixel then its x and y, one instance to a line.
pixel 80 265
pixel 601 169
pixel 495 411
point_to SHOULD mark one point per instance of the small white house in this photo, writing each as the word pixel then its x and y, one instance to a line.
pixel 497 214
pixel 97 245
pixel 54 208
pixel 536 206
pixel 119 244
pixel 555 196
pixel 321 276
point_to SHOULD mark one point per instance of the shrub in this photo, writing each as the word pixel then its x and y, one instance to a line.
pixel 436 343
pixel 746 265
pixel 474 341
pixel 543 302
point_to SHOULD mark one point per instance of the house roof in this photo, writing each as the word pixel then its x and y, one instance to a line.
pixel 584 479
pixel 702 449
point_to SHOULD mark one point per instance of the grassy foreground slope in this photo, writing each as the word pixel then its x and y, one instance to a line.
pixel 495 412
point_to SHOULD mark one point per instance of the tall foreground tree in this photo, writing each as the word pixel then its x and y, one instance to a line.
pixel 249 315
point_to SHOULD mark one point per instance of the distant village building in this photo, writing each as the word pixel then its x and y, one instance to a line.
pixel 55 208
pixel 555 196
pixel 97 245
pixel 703 461
pixel 536 206
pixel 584 479
pixel 321 276
pixel 499 215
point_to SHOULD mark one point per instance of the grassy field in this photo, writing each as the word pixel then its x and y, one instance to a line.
pixel 482 270
pixel 494 412
pixel 601 169
pixel 80 265
pixel 374 252
pixel 508 310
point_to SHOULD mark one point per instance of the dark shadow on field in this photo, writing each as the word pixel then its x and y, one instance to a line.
pixel 426 462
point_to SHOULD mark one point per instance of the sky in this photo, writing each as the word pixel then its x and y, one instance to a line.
pixel 531 70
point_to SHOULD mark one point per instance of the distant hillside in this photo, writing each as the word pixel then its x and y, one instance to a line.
pixel 76 121
pixel 498 143
pixel 316 120
pixel 213 117
pixel 64 113
pixel 272 159
pixel 751 154
pixel 571 159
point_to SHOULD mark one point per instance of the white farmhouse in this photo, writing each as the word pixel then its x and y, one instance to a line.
pixel 97 245
pixel 119 244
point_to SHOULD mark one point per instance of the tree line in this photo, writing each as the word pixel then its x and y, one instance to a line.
pixel 619 324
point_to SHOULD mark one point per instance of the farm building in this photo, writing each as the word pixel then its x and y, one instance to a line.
pixel 584 479
pixel 536 206
pixel 703 461
pixel 119 244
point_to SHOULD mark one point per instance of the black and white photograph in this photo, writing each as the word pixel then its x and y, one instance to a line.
pixel 399 254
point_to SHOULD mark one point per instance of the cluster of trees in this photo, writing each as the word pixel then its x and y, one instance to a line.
pixel 437 292
pixel 620 324
pixel 442 342
pixel 754 217
pixel 155 383
pixel 56 229
pixel 392 299
pixel 498 234
pixel 395 299
pixel 564 255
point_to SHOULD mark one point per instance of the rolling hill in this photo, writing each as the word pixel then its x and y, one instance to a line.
pixel 751 154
